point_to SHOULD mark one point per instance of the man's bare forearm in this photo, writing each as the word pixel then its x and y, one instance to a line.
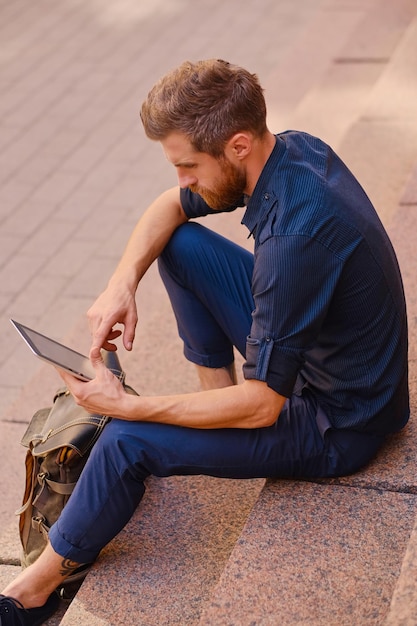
pixel 252 404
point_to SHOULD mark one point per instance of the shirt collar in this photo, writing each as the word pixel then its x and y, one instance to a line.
pixel 252 213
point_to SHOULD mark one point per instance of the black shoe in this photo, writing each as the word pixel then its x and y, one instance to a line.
pixel 12 613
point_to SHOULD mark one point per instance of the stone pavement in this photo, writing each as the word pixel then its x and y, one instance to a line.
pixel 76 172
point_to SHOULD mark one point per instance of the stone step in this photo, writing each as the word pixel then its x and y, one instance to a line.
pixel 315 554
pixel 302 70
pixel 381 146
pixel 162 567
pixel 342 91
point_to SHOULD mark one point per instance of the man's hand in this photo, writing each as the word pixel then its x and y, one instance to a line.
pixel 114 306
pixel 117 305
pixel 104 394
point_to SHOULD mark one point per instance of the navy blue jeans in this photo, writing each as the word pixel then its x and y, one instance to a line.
pixel 208 281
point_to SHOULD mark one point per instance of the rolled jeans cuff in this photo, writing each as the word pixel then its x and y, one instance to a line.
pixel 220 359
pixel 65 549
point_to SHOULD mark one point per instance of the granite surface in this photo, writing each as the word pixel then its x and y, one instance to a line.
pixel 315 555
pixel 403 609
pixel 166 561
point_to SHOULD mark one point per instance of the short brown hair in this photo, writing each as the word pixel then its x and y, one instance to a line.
pixel 208 101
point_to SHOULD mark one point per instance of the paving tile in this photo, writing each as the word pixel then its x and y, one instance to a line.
pixel 10 11
pixel 380 30
pixel 36 170
pixel 17 273
pixel 73 256
pixel 46 240
pixel 77 206
pixel 58 186
pixel 92 280
pixel 35 135
pixel 9 245
pixel 8 135
pixel 12 194
pixel 8 572
pixel 124 193
pixel 62 143
pixel 103 177
pixel 10 546
pixel 85 156
pixel 38 295
pixel 26 220
pixel 324 35
pixel 8 395
pixel 58 321
pixel 18 367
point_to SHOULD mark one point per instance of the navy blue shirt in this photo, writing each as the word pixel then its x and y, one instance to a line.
pixel 329 304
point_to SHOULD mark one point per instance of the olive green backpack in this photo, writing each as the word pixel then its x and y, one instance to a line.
pixel 59 441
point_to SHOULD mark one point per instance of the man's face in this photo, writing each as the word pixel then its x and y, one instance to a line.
pixel 227 188
pixel 219 182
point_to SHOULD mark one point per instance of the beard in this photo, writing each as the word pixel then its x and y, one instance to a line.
pixel 229 189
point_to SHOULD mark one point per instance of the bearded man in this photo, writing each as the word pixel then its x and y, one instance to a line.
pixel 317 311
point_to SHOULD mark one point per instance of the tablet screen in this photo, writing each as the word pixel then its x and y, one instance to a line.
pixel 56 353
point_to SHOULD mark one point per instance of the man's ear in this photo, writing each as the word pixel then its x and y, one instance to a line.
pixel 239 146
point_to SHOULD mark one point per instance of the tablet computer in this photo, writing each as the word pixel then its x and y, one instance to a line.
pixel 56 353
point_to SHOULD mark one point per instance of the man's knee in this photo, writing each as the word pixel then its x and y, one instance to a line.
pixel 184 241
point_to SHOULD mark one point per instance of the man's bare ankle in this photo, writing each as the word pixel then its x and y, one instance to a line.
pixel 215 378
pixel 27 598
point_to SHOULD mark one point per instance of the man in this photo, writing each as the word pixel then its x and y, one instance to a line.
pixel 318 313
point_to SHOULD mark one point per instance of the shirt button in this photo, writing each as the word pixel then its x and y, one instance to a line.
pixel 266 196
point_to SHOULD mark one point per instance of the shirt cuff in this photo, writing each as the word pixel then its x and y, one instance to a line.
pixel 273 364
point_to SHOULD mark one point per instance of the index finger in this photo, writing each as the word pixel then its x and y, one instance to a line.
pixel 102 336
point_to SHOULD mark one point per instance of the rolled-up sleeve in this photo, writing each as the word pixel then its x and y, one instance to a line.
pixel 269 362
